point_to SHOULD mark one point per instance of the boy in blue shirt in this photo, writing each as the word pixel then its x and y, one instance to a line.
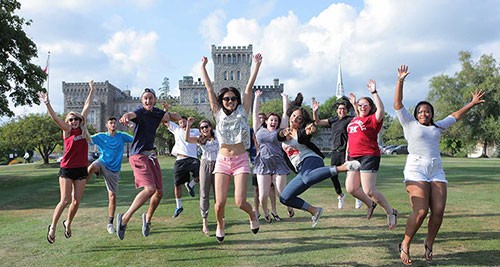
pixel 111 145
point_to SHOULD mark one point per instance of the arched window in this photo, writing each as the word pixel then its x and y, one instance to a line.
pixel 232 75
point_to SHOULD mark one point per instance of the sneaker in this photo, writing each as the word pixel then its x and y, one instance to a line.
pixel 358 204
pixel 353 165
pixel 341 199
pixel 120 228
pixel 177 212
pixel 316 217
pixel 111 228
pixel 190 189
pixel 146 226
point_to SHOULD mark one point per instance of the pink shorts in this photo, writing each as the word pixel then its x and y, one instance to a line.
pixel 147 171
pixel 232 165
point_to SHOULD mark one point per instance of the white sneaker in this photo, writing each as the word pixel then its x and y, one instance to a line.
pixel 358 204
pixel 353 165
pixel 341 201
pixel 111 228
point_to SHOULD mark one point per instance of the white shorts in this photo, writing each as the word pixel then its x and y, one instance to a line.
pixel 420 169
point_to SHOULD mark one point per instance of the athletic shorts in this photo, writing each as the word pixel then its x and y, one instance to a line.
pixel 368 163
pixel 74 173
pixel 183 168
pixel 420 169
pixel 110 177
pixel 146 170
pixel 232 165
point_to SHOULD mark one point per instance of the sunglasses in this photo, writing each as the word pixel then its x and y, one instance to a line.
pixel 204 127
pixel 233 98
pixel 363 105
pixel 74 119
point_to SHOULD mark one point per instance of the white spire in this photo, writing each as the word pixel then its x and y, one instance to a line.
pixel 340 85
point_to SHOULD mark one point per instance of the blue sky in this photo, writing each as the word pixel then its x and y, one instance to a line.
pixel 135 44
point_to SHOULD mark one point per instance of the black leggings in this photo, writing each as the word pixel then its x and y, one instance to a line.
pixel 338 158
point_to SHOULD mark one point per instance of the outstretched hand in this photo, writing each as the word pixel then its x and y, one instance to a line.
pixel 372 86
pixel 402 72
pixel 44 97
pixel 258 93
pixel 257 58
pixel 476 97
pixel 204 61
pixel 315 106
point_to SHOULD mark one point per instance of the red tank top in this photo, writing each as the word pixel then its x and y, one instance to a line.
pixel 75 150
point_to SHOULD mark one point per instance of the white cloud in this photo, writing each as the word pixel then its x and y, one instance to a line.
pixel 211 28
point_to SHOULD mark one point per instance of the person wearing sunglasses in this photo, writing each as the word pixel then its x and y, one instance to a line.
pixel 270 165
pixel 73 167
pixel 209 147
pixel 142 159
pixel 363 146
pixel 424 177
pixel 233 132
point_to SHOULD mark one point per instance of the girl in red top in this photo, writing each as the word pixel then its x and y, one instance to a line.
pixel 73 172
pixel 363 147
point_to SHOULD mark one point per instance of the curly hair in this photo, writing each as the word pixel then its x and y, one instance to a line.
pixel 297 105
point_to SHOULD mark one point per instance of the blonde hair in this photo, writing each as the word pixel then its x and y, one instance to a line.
pixel 83 124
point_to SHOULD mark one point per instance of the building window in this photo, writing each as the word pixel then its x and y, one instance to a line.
pixel 92 117
pixel 203 98
pixel 232 75
pixel 196 98
pixel 238 75
pixel 225 75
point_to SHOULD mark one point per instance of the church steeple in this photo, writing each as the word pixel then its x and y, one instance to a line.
pixel 340 85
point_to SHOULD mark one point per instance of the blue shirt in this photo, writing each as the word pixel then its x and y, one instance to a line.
pixel 111 148
pixel 146 123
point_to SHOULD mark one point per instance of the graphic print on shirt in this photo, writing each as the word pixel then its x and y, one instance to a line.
pixel 290 150
pixel 355 125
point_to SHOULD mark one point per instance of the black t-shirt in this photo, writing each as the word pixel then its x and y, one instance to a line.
pixel 339 132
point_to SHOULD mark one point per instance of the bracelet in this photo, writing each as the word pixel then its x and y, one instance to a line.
pixel 374 92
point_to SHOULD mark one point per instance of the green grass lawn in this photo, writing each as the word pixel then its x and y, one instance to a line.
pixel 469 236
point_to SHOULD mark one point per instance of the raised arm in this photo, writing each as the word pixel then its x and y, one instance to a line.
pixel 372 88
pixel 212 98
pixel 476 99
pixel 284 117
pixel 188 137
pixel 247 102
pixel 174 116
pixel 44 97
pixel 126 118
pixel 88 101
pixel 352 99
pixel 398 93
pixel 316 119
pixel 255 117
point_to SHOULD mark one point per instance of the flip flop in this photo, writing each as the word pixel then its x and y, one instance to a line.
pixel 50 239
pixel 409 262
pixel 427 253
pixel 66 233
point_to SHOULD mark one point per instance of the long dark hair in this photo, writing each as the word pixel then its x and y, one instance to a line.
pixel 421 103
pixel 297 105
pixel 221 95
pixel 373 108
pixel 264 124
pixel 202 139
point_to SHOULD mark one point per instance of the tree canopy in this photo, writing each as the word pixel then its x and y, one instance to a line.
pixel 20 80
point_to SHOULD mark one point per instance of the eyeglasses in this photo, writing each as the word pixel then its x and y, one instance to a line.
pixel 74 119
pixel 204 127
pixel 226 98
pixel 363 105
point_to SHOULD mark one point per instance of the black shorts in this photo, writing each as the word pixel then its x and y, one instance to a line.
pixel 368 163
pixel 74 173
pixel 183 168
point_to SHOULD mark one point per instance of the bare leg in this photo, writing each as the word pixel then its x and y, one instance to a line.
pixel 437 205
pixel 153 204
pixel 111 204
pixel 78 188
pixel 65 188
pixel 221 188
pixel 264 182
pixel 353 187
pixel 139 200
pixel 240 195
pixel 419 194
pixel 272 198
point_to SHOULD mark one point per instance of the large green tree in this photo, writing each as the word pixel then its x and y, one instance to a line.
pixel 32 132
pixel 448 94
pixel 20 80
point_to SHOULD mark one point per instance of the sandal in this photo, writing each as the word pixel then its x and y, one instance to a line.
pixel 427 253
pixel 50 239
pixel 276 216
pixel 291 213
pixel 67 233
pixel 392 219
pixel 369 213
pixel 404 256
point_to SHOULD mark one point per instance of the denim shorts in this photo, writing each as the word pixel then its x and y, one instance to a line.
pixel 420 169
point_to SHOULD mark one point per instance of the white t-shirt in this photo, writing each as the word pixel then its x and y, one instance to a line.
pixel 423 140
pixel 181 146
